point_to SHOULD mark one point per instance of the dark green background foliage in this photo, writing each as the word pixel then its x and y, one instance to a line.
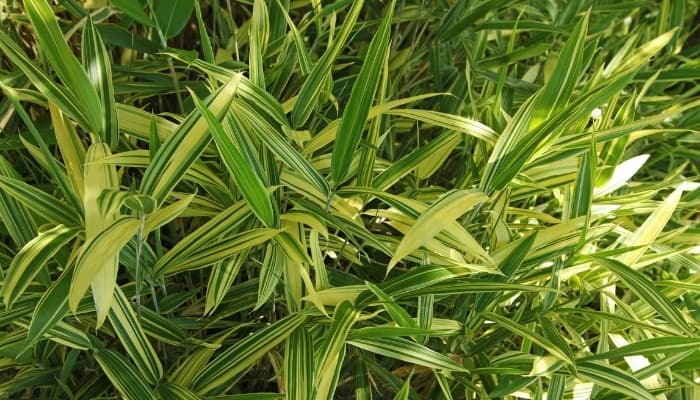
pixel 370 199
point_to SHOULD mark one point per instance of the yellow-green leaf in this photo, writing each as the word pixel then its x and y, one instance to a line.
pixel 34 256
pixel 106 245
pixel 126 325
pixel 445 210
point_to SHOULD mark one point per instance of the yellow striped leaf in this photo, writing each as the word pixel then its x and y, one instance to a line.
pixel 444 211
pixel 126 325
pixel 105 245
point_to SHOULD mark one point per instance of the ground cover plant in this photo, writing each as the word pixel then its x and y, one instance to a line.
pixel 397 199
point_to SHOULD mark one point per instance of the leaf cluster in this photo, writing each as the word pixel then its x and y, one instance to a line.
pixel 275 199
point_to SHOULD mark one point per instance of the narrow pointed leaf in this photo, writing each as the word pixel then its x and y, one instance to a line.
pixel 651 228
pixel 166 214
pixel 100 178
pixel 251 186
pixel 645 290
pixel 541 341
pixel 612 378
pixel 34 256
pixel 299 366
pixel 258 37
pixel 331 350
pixel 218 251
pixel 61 58
pixel 280 147
pixel 240 356
pixel 169 390
pixel 99 68
pixel 72 150
pixel 105 245
pixel 57 94
pixel 564 77
pixel 222 278
pixel 123 376
pixel 431 222
pixel 356 111
pixel 408 351
pixel 128 328
pixel 660 345
pixel 308 96
pixel 208 234
pixel 51 309
pixel 185 145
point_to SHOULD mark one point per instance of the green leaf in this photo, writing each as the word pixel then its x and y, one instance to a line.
pixel 100 179
pixel 278 145
pixel 185 145
pixel 126 325
pixel 429 279
pixel 217 251
pixel 508 267
pixel 304 61
pixel 34 256
pixel 521 141
pixel 106 245
pixel 207 48
pixel 123 376
pixel 161 328
pixel 97 62
pixel 563 79
pixel 332 350
pixel 297 258
pixel 222 277
pixel 173 15
pixel 645 290
pixel 71 148
pixel 551 348
pixel 51 309
pixel 651 228
pixel 299 365
pixel 258 34
pixel 164 215
pixel 660 345
pixel 447 208
pixel 169 390
pixel 397 313
pixel 327 135
pixel 452 26
pixel 449 121
pixel 582 192
pixel 16 217
pixel 612 378
pixel 116 35
pixel 310 92
pixel 408 351
pixel 218 228
pixel 134 10
pixel 270 273
pixel 410 162
pixel 70 336
pixel 60 56
pixel 357 110
pixel 252 188
pixel 557 387
pixel 59 95
pixel 43 153
pixel 240 356
pixel 389 331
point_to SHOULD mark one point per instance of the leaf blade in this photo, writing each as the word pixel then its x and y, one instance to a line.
pixel 361 98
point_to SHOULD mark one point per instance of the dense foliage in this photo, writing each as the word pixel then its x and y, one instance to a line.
pixel 270 199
